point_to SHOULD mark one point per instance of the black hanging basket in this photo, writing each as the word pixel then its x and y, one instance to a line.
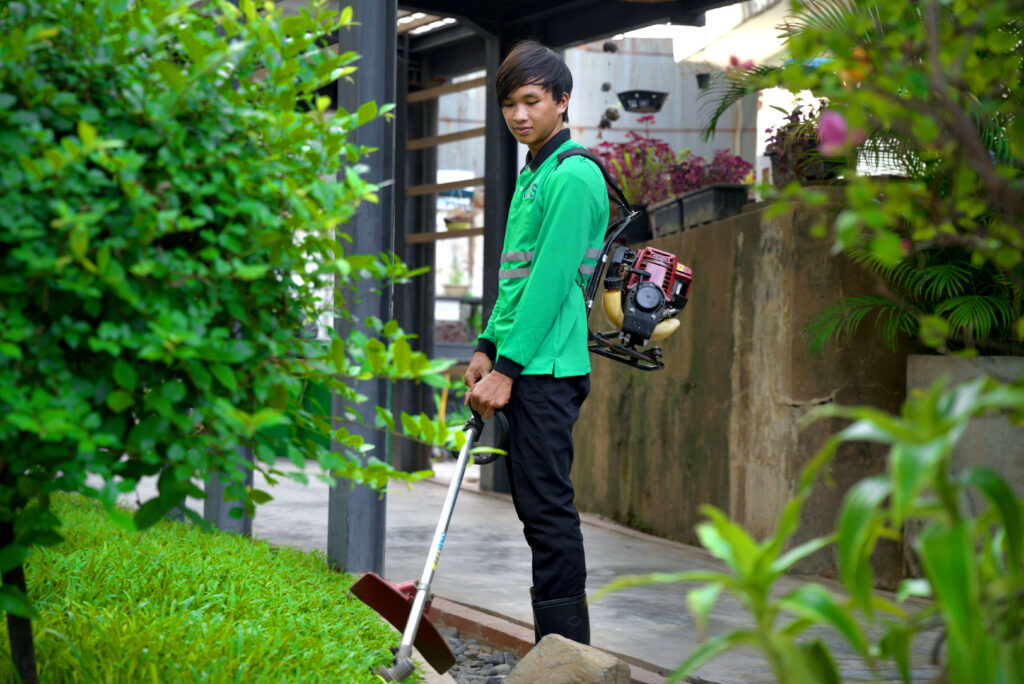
pixel 642 101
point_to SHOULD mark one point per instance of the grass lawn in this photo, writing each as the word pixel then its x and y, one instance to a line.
pixel 175 604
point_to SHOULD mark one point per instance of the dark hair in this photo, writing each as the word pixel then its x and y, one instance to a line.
pixel 530 63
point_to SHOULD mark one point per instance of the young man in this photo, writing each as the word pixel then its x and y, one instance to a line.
pixel 532 358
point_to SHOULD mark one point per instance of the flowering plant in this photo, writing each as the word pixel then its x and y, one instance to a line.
pixel 648 171
pixel 796 147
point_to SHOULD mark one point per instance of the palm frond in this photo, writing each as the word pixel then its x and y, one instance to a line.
pixel 840 321
pixel 901 275
pixel 725 89
pixel 945 280
pixel 975 314
pixel 818 15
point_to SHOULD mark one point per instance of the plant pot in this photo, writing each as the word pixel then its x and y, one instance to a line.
pixel 451 290
pixel 811 169
pixel 712 203
pixel 642 101
pixel 666 217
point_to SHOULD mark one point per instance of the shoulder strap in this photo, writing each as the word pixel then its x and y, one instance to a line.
pixel 619 197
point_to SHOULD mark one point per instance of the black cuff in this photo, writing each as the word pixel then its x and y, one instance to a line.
pixel 508 367
pixel 487 347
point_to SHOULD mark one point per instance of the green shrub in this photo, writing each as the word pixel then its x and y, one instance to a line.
pixel 175 604
pixel 174 194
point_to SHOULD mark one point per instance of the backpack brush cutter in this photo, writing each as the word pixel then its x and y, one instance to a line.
pixel 644 291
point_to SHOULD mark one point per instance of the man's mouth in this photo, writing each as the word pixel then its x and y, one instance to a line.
pixel 523 130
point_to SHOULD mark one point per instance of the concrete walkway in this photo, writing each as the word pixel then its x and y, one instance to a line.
pixel 486 564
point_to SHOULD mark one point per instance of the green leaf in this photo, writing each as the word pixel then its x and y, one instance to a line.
pixel 821 664
pixel 119 400
pixel 14 602
pixel 814 602
pixel 948 557
pixel 125 375
pixel 11 556
pixel 401 352
pixel 225 376
pixel 87 134
pixel 427 427
pixel 78 239
pixel 171 74
pixel 259 496
pixel 366 113
pixel 857 533
pixel 701 601
pixel 1000 495
pixel 409 424
pixel 934 330
pixel 386 418
pixel 712 648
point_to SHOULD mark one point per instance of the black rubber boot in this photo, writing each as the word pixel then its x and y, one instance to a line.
pixel 533 601
pixel 568 617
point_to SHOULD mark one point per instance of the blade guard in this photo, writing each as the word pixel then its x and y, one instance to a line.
pixel 393 603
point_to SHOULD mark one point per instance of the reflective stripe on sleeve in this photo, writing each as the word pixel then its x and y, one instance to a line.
pixel 513 272
pixel 587 270
pixel 516 256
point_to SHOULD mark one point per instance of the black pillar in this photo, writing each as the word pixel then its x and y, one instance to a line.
pixel 414 302
pixel 500 165
pixel 356 515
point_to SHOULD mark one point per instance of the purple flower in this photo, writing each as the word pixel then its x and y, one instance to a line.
pixel 833 131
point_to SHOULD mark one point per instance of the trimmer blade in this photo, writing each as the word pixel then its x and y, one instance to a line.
pixel 394 606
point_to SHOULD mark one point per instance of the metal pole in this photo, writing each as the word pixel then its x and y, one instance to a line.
pixel 356 515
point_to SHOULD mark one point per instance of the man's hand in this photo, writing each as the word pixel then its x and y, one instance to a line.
pixel 490 394
pixel 479 366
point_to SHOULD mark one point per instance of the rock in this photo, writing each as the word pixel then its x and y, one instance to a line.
pixel 502 669
pixel 557 660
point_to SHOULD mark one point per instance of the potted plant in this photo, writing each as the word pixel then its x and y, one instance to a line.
pixel 793 148
pixel 653 177
pixel 717 190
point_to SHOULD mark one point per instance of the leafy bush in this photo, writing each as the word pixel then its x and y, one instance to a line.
pixel 173 192
pixel 980 302
pixel 973 565
pixel 175 604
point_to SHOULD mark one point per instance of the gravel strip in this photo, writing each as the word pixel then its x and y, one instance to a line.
pixel 478 663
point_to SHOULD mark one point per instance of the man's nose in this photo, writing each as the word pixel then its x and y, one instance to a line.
pixel 519 112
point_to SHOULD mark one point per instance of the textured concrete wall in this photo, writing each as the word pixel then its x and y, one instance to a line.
pixel 722 423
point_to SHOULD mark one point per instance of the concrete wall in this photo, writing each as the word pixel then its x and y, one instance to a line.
pixel 721 424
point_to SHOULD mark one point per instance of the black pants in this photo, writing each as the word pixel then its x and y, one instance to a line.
pixel 541 413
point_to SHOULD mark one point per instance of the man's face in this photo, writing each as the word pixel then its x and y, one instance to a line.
pixel 533 115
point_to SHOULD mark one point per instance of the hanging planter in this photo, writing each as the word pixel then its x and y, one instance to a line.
pixel 642 101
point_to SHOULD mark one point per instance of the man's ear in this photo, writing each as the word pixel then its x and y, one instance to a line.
pixel 562 103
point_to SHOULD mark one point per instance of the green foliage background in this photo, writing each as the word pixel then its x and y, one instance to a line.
pixel 174 194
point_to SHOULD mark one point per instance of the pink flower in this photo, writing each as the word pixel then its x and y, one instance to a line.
pixel 833 131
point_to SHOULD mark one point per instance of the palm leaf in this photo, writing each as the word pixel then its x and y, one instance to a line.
pixel 946 280
pixel 976 314
pixel 840 321
pixel 727 88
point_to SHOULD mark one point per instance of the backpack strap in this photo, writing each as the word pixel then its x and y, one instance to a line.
pixel 618 196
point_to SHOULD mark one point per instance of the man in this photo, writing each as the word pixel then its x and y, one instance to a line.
pixel 532 358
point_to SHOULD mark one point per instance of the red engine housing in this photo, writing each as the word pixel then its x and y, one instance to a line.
pixel 672 278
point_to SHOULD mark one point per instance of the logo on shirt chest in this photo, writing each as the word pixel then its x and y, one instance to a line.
pixel 530 192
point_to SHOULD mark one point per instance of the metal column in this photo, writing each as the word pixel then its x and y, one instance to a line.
pixel 356 515
pixel 500 165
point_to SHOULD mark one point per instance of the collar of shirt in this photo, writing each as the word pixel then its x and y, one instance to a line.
pixel 549 147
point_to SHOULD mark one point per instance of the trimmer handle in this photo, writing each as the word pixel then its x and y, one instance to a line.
pixel 499 425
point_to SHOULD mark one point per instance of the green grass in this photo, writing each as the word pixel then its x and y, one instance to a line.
pixel 175 604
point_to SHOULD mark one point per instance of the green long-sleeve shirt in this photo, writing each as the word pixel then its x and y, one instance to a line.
pixel 556 225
